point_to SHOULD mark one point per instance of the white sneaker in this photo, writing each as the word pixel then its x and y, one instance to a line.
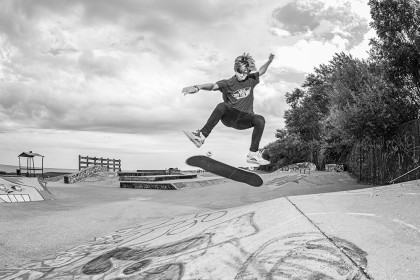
pixel 256 158
pixel 196 137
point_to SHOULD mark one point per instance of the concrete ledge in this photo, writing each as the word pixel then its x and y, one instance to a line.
pixel 147 185
pixel 157 177
pixel 142 173
pixel 148 173
pixel 199 183
pixel 173 184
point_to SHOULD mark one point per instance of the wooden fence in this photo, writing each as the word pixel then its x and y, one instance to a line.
pixel 391 159
pixel 112 164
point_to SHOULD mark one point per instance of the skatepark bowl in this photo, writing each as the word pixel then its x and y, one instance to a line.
pixel 317 225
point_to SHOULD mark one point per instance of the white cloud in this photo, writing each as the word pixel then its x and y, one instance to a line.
pixel 361 50
pixel 305 55
pixel 87 70
pixel 280 32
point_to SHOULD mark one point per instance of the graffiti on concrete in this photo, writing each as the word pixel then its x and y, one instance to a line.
pixel 146 185
pixel 295 256
pixel 337 167
pixel 158 177
pixel 22 189
pixel 200 183
pixel 202 246
pixel 285 179
pixel 402 150
pixel 297 166
pixel 85 173
pixel 385 159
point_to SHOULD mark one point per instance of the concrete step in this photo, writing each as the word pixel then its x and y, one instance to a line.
pixel 173 184
pixel 142 173
pixel 156 178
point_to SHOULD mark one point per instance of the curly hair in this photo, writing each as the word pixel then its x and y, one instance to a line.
pixel 245 60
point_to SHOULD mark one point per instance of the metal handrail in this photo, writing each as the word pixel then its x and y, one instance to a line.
pixel 404 174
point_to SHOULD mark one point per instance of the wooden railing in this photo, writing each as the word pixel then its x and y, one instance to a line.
pixel 112 164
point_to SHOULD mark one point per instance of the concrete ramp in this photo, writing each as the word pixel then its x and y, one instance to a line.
pixel 269 240
pixel 22 189
pixel 84 173
pixel 383 221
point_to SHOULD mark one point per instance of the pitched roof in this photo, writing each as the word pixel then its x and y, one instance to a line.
pixel 30 154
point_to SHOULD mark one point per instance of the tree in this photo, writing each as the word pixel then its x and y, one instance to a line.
pixel 342 102
pixel 349 100
pixel 362 102
pixel 287 149
pixel 309 106
pixel 398 44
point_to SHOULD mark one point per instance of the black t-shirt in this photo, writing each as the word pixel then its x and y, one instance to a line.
pixel 240 94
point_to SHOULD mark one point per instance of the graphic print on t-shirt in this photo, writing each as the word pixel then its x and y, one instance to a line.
pixel 242 93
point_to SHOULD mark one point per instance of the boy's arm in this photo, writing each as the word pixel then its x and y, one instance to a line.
pixel 195 89
pixel 263 68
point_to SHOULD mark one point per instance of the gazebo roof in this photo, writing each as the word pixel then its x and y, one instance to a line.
pixel 30 154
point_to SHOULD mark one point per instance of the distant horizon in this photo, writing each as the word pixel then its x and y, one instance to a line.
pixel 12 168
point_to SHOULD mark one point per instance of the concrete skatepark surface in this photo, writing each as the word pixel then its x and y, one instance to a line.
pixel 297 226
pixel 22 189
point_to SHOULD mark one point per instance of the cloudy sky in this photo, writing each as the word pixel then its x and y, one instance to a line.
pixel 104 78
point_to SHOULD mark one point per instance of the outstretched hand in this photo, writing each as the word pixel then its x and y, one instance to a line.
pixel 263 68
pixel 189 90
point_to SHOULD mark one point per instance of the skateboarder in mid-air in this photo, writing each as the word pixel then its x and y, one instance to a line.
pixel 237 109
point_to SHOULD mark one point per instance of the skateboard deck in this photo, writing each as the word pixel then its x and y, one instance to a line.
pixel 225 170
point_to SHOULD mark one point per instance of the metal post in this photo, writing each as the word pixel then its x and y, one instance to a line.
pixel 360 162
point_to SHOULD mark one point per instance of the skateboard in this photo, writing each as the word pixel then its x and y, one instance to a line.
pixel 225 170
